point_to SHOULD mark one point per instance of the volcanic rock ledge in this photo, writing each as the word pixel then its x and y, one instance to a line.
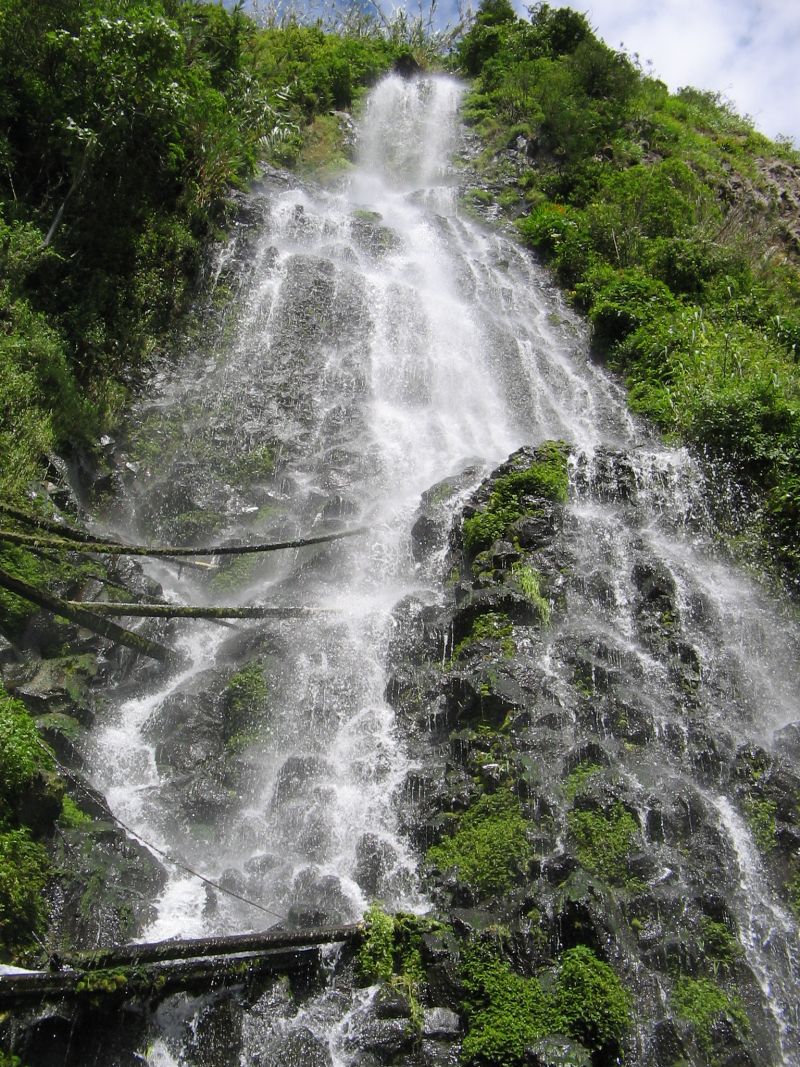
pixel 574 795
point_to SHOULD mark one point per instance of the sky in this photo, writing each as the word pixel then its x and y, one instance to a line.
pixel 747 50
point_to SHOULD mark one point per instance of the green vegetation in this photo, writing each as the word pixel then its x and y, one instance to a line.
pixel 103 981
pixel 507 1013
pixel 529 582
pixel 792 888
pixel 72 817
pixel 23 873
pixel 124 126
pixel 514 494
pixel 578 777
pixel 603 841
pixel 244 702
pixel 376 954
pixel 720 946
pixel 31 799
pixel 491 626
pixel 390 952
pixel 703 1003
pixel 23 755
pixel 490 848
pixel 760 813
pixel 660 215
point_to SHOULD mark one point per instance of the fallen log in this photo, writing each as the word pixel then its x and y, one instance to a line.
pixel 61 530
pixel 117 549
pixel 151 969
pixel 98 988
pixel 187 611
pixel 223 945
pixel 89 621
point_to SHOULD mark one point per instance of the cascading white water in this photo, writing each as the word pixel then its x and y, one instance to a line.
pixel 437 348
pixel 381 342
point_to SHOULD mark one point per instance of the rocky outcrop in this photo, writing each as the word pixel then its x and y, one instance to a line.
pixel 578 807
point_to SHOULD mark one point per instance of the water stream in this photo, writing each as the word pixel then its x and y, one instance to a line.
pixel 374 341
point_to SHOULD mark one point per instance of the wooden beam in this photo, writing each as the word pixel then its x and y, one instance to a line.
pixel 62 531
pixel 89 621
pixel 222 945
pixel 116 549
pixel 187 611
pixel 151 970
pixel 151 982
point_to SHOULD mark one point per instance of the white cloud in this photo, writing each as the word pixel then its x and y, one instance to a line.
pixel 747 50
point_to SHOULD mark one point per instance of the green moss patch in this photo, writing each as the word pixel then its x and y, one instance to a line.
pixel 490 848
pixel 244 701
pixel 529 581
pixel 760 813
pixel 391 952
pixel 23 873
pixel 720 946
pixel 547 477
pixel 703 1003
pixel 492 626
pixel 603 841
pixel 578 778
pixel 583 999
pixel 23 755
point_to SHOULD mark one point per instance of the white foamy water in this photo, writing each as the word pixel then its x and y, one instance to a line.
pixel 378 342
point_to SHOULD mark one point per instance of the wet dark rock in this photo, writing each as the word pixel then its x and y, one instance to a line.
pixel 384 1038
pixel 40 804
pixel 215 1034
pixel 557 1051
pixel 787 741
pixel 535 532
pixel 297 1048
pixel 53 1037
pixel 703 750
pixel 439 953
pixel 610 476
pixel 441 1023
pixel 470 699
pixel 8 654
pixel 317 899
pixel 297 773
pixel 104 889
pixel 666 1044
pixel 374 859
pixel 389 1003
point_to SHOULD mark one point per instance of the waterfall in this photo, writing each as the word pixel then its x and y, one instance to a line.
pixel 366 343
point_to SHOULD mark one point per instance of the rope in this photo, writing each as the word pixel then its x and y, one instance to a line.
pixel 76 781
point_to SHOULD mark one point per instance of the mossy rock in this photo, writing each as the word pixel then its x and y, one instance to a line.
pixel 528 480
pixel 489 850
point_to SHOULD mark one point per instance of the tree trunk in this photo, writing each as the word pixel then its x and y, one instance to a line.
pixel 188 611
pixel 115 549
pixel 89 621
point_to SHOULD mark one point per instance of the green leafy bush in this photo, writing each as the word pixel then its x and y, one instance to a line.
pixel 703 1003
pixel 651 207
pixel 490 847
pixel 584 999
pixel 603 841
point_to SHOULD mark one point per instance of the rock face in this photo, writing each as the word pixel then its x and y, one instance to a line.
pixel 611 862
pixel 578 804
